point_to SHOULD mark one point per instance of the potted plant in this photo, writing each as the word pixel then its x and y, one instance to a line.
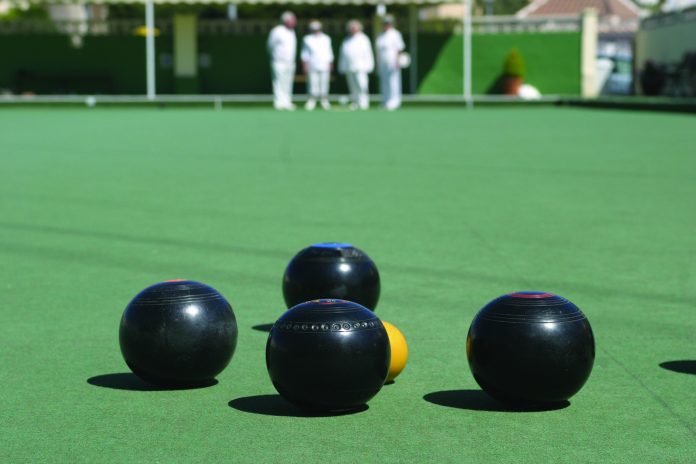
pixel 513 72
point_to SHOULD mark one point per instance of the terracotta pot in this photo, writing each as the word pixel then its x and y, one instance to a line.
pixel 512 85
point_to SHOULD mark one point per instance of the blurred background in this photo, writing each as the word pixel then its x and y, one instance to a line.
pixel 582 48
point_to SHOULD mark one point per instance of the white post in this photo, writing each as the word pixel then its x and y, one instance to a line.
pixel 150 48
pixel 413 46
pixel 467 53
pixel 588 60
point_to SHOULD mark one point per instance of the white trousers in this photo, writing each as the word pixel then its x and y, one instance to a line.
pixel 358 84
pixel 283 75
pixel 390 86
pixel 318 84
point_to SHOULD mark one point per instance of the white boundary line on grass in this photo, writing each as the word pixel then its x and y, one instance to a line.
pixel 218 100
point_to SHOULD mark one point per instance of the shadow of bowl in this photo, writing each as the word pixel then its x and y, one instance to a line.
pixel 275 405
pixel 130 381
pixel 683 366
pixel 478 400
pixel 263 327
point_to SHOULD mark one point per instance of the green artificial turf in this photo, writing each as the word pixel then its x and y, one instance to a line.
pixel 455 207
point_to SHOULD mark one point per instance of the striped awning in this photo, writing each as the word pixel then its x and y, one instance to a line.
pixel 248 2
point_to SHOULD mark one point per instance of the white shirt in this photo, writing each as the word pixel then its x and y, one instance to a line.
pixel 356 54
pixel 282 44
pixel 317 51
pixel 389 45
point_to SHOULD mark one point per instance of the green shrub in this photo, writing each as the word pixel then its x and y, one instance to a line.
pixel 514 64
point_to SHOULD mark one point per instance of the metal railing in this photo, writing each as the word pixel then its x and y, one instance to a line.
pixel 665 19
pixel 264 26
pixel 503 25
pixel 163 26
pixel 110 27
pixel 217 27
pixel 615 25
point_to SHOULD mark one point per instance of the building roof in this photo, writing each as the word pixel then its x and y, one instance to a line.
pixel 624 9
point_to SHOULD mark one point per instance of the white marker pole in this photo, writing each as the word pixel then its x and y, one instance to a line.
pixel 466 32
pixel 413 48
pixel 150 48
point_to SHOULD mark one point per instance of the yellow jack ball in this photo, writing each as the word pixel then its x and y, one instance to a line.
pixel 399 351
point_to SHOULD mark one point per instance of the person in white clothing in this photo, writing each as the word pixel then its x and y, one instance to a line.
pixel 317 60
pixel 356 61
pixel 390 44
pixel 282 47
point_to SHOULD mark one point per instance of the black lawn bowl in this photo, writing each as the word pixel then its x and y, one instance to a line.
pixel 530 347
pixel 331 270
pixel 328 355
pixel 178 333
